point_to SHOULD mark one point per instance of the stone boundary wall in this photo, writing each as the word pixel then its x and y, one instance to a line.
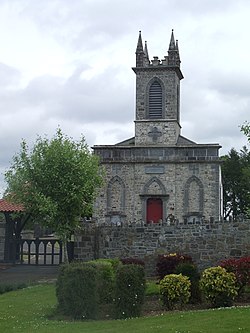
pixel 207 243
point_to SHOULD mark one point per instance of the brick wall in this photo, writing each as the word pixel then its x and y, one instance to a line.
pixel 207 243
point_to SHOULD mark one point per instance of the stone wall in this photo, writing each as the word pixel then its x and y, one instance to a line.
pixel 187 189
pixel 207 243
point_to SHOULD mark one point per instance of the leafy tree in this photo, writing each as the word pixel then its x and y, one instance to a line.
pixel 56 181
pixel 236 183
pixel 246 130
pixel 246 172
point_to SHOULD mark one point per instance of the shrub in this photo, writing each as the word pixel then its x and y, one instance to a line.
pixel 191 271
pixel 167 263
pixel 129 291
pixel 241 268
pixel 105 279
pixel 218 286
pixel 77 292
pixel 4 288
pixel 115 262
pixel 175 290
pixel 132 261
pixel 152 288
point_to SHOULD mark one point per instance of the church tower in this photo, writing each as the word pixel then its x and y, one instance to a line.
pixel 157 96
pixel 158 176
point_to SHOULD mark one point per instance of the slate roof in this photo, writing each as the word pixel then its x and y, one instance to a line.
pixel 184 141
pixel 9 207
pixel 181 141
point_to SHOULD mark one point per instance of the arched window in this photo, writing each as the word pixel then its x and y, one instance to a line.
pixel 155 101
pixel 193 196
pixel 116 195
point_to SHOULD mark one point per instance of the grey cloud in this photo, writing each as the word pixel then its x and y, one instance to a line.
pixel 213 104
pixel 232 84
pixel 82 99
pixel 8 75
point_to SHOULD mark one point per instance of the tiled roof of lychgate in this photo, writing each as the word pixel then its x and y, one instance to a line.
pixel 6 206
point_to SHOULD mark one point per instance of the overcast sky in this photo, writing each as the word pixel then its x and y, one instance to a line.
pixel 68 63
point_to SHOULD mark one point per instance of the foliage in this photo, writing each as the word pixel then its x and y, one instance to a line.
pixel 134 261
pixel 77 291
pixel 6 287
pixel 245 128
pixel 175 290
pixel 105 279
pixel 191 271
pixel 219 286
pixel 152 288
pixel 115 262
pixel 241 268
pixel 55 180
pixel 167 263
pixel 236 183
pixel 33 310
pixel 129 291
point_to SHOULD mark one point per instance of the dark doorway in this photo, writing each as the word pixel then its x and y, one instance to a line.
pixel 154 210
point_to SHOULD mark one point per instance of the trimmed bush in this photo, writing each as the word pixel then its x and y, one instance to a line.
pixel 191 271
pixel 175 290
pixel 129 291
pixel 241 268
pixel 219 286
pixel 132 261
pixel 167 263
pixel 105 279
pixel 76 291
pixel 4 288
pixel 115 262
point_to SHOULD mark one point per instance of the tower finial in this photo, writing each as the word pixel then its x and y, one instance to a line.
pixel 172 41
pixel 139 47
pixel 139 52
pixel 146 56
pixel 173 52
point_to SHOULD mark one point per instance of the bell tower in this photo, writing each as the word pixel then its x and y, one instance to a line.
pixel 157 120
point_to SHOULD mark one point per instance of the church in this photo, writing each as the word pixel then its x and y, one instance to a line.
pixel 158 176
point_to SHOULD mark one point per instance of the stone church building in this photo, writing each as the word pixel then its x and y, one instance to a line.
pixel 158 176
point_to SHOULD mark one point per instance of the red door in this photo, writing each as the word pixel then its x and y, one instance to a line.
pixel 154 210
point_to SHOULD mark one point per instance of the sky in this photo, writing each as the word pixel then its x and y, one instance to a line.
pixel 68 64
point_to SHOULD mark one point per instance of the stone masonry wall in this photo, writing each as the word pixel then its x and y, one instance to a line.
pixel 128 184
pixel 206 243
pixel 167 132
pixel 170 82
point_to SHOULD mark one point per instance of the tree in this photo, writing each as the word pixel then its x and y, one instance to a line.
pixel 56 181
pixel 245 128
pixel 236 183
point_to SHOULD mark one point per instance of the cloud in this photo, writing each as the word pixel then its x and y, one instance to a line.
pixel 9 76
pixel 67 63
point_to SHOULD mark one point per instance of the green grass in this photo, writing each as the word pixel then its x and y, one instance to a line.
pixel 152 288
pixel 27 310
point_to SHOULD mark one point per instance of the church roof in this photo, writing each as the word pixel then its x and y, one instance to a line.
pixel 127 142
pixel 184 141
pixel 9 207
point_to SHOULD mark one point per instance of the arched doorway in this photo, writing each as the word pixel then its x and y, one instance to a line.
pixel 154 210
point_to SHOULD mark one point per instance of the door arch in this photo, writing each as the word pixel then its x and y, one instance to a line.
pixel 154 210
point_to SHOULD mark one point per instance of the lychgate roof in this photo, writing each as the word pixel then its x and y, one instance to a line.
pixel 6 206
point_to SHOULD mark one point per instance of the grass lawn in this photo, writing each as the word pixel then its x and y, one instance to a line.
pixel 27 310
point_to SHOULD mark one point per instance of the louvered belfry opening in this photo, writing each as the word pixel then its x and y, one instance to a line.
pixel 155 101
